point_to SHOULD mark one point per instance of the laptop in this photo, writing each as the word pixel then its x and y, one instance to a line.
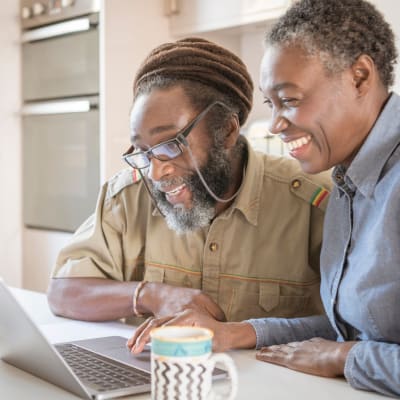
pixel 99 368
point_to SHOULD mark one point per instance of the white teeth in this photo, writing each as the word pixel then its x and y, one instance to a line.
pixel 295 144
pixel 176 190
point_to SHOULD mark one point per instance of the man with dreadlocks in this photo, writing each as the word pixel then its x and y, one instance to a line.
pixel 226 231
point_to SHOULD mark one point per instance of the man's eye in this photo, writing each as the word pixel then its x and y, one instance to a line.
pixel 166 150
pixel 137 150
pixel 290 102
pixel 268 102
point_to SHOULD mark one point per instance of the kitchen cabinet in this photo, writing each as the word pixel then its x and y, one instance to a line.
pixel 196 16
pixel 126 35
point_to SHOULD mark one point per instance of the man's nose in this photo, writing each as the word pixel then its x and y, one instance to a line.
pixel 159 169
pixel 277 123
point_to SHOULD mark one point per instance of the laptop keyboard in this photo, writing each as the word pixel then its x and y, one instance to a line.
pixel 100 373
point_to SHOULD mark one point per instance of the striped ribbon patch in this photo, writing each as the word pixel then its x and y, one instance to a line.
pixel 136 175
pixel 318 196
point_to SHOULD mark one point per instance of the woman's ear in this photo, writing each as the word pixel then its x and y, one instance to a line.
pixel 232 132
pixel 364 73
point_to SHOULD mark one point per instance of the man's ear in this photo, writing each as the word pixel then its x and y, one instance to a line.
pixel 233 132
pixel 364 73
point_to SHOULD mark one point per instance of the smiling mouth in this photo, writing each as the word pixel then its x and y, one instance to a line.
pixel 176 191
pixel 297 143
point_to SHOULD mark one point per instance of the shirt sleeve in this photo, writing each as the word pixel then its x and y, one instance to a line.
pixel 270 331
pixel 374 366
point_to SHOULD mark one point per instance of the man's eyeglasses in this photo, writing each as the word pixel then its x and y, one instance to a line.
pixel 169 149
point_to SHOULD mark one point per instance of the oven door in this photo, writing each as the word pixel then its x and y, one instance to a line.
pixel 61 60
pixel 60 162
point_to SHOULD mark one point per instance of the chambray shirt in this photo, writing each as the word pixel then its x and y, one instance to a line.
pixel 360 264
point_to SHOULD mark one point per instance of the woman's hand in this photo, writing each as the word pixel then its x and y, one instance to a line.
pixel 315 356
pixel 227 335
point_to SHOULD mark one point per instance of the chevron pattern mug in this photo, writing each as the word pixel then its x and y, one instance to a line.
pixel 182 364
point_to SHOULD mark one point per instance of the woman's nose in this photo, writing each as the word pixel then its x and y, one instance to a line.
pixel 277 123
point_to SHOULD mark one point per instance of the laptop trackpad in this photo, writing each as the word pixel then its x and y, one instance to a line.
pixel 114 347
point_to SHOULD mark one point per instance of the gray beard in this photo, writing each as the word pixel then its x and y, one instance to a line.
pixel 182 221
pixel 217 173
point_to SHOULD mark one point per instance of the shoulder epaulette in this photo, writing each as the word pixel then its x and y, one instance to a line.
pixel 310 191
pixel 121 180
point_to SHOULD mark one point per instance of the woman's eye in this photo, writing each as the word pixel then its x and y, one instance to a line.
pixel 290 102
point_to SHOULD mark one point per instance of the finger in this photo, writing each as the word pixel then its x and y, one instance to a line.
pixel 214 309
pixel 273 356
pixel 144 336
pixel 131 342
pixel 183 318
pixel 317 340
pixel 293 344
pixel 279 348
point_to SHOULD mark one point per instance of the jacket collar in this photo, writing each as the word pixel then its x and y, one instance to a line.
pixel 366 168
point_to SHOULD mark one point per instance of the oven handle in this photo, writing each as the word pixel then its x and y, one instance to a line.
pixel 61 28
pixel 77 105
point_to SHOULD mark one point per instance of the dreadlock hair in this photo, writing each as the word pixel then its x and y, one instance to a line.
pixel 338 31
pixel 206 72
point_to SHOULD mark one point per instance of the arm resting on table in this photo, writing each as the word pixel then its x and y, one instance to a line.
pixel 270 331
pixel 374 366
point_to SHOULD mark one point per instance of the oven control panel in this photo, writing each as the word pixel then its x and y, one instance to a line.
pixel 43 12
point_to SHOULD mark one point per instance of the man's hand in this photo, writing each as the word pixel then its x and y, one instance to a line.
pixel 163 300
pixel 226 335
pixel 316 356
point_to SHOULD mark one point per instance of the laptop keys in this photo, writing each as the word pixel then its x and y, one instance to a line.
pixel 98 372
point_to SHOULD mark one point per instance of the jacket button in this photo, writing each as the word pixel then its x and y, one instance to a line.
pixel 296 184
pixel 213 246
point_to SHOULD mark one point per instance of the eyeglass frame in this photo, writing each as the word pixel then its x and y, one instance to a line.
pixel 179 139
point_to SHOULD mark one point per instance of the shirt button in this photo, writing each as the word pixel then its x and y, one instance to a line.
pixel 213 246
pixel 339 177
pixel 296 184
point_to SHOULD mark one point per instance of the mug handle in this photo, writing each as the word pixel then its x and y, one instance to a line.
pixel 228 363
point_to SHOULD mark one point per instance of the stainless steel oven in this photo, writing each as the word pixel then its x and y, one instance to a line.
pixel 60 115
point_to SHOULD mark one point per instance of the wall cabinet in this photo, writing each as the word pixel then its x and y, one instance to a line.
pixel 196 16
pixel 125 39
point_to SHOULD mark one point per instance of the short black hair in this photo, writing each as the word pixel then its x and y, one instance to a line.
pixel 338 31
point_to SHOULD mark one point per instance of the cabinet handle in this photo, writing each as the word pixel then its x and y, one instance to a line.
pixel 83 104
pixel 62 28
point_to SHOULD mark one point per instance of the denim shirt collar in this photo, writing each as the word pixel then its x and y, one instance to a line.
pixel 366 167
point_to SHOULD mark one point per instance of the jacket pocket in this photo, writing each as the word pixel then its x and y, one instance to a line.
pixel 154 274
pixel 243 300
pixel 173 276
pixel 287 301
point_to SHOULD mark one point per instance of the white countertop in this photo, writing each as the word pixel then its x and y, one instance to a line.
pixel 257 380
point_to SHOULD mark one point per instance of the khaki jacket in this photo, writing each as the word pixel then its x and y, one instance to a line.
pixel 259 258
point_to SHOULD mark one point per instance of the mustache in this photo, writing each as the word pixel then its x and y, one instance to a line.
pixel 160 185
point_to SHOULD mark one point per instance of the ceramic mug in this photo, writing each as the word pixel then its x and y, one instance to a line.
pixel 182 364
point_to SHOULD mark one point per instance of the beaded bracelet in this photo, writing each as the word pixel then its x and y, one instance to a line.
pixel 139 287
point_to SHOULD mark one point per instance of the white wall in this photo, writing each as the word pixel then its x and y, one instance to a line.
pixel 10 146
pixel 130 29
pixel 391 11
